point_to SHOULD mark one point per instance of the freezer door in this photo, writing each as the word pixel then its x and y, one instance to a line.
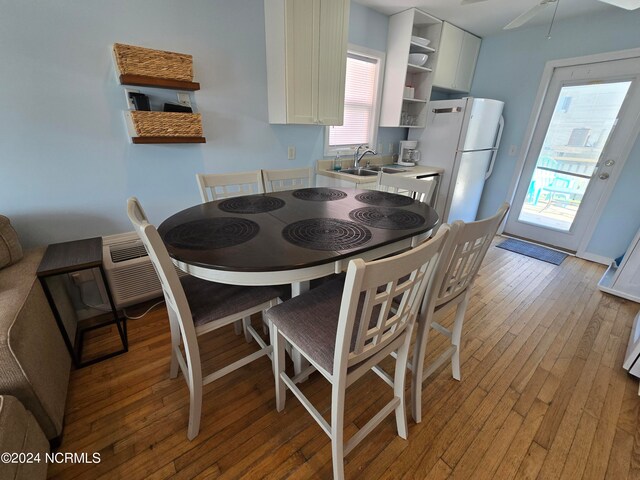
pixel 439 143
pixel 483 124
pixel 440 138
pixel 469 183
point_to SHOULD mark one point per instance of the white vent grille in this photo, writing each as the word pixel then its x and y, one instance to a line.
pixel 122 253
pixel 129 270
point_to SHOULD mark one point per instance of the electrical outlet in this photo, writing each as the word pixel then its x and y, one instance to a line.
pixel 380 149
pixel 184 99
pixel 391 148
pixel 513 150
pixel 291 152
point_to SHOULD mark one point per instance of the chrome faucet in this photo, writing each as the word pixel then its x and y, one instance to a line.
pixel 357 156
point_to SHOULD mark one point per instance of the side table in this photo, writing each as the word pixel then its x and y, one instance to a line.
pixel 69 257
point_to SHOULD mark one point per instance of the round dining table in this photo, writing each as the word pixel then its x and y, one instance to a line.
pixel 292 236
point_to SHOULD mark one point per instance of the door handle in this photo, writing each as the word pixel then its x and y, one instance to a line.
pixel 603 176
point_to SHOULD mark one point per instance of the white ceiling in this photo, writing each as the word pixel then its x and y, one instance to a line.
pixel 488 17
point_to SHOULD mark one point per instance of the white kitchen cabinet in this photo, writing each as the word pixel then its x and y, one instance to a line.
pixel 397 108
pixel 457 59
pixel 306 42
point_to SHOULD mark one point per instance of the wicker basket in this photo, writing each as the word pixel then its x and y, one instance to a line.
pixel 167 124
pixel 133 60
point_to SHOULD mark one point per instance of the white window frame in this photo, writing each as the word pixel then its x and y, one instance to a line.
pixel 379 57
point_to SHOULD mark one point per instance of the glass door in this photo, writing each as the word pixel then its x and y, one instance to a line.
pixel 585 120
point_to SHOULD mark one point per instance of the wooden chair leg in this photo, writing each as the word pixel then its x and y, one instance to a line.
pixel 194 380
pixel 278 343
pixel 175 343
pixel 456 335
pixel 246 323
pixel 417 369
pixel 398 388
pixel 337 428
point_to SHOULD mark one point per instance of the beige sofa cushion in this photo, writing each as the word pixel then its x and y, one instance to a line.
pixel 10 248
pixel 34 361
pixel 19 432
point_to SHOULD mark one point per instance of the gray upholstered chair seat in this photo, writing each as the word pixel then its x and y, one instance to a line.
pixel 210 301
pixel 310 320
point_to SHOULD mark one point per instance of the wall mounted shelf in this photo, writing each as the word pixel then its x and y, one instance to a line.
pixel 155 82
pixel 151 140
pixel 145 67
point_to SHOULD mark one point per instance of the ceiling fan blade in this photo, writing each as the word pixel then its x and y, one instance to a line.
pixel 469 2
pixel 526 16
pixel 626 4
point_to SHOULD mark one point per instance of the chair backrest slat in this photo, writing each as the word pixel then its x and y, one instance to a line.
pixel 381 300
pixel 420 189
pixel 289 179
pixel 215 186
pixel 465 253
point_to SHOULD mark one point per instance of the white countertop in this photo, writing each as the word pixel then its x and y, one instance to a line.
pixel 324 167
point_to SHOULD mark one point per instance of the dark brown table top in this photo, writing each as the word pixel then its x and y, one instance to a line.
pixel 71 256
pixel 336 223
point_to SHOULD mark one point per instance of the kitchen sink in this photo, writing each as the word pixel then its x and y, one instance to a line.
pixel 370 171
pixel 385 169
pixel 360 172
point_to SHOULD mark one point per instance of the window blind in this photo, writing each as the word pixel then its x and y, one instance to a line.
pixel 359 98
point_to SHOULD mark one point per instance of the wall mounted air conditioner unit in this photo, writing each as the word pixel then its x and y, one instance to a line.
pixel 129 270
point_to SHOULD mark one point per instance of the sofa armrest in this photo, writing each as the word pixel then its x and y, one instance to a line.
pixel 20 433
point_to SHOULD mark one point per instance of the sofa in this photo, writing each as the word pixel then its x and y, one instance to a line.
pixel 21 434
pixel 34 361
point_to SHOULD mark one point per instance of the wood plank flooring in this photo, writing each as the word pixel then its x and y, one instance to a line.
pixel 543 395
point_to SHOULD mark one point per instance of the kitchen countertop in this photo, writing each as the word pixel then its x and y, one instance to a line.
pixel 324 167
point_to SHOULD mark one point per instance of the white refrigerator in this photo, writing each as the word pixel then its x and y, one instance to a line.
pixel 462 137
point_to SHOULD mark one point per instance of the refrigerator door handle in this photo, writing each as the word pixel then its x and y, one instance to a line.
pixel 495 147
pixel 447 110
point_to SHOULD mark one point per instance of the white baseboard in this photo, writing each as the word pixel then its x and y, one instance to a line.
pixel 592 257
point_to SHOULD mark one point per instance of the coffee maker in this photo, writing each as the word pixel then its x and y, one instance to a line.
pixel 409 153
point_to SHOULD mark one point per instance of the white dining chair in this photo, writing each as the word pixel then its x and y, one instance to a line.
pixel 196 307
pixel 347 326
pixel 289 179
pixel 214 186
pixel 466 248
pixel 422 190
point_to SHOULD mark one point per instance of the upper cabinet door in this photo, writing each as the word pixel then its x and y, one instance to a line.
pixel 457 59
pixel 302 54
pixel 334 25
pixel 450 46
pixel 467 63
pixel 306 50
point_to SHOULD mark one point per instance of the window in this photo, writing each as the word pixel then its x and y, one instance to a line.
pixel 363 84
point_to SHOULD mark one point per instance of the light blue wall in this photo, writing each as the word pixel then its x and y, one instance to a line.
pixel 66 167
pixel 509 68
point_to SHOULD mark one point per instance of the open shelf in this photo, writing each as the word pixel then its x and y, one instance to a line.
pixel 417 48
pixel 155 82
pixel 417 69
pixel 150 140
pixel 414 100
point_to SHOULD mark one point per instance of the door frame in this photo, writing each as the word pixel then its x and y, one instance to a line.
pixel 545 82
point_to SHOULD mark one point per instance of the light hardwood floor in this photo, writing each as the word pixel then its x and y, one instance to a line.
pixel 543 395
